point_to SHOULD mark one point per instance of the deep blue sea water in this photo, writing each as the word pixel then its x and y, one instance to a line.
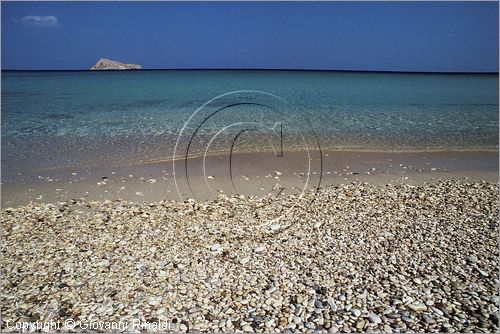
pixel 52 119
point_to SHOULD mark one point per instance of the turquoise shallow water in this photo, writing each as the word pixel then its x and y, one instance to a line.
pixel 52 119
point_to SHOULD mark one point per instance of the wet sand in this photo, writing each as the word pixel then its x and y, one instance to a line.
pixel 249 174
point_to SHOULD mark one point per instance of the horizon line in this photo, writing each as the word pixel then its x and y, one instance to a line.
pixel 253 69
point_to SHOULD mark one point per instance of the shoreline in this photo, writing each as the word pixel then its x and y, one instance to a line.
pixel 56 155
pixel 252 172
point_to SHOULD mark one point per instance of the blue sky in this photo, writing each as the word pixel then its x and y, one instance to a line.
pixel 388 36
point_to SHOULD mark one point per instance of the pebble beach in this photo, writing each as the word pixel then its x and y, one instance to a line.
pixel 360 258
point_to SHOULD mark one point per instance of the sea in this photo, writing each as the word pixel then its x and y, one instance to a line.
pixel 59 119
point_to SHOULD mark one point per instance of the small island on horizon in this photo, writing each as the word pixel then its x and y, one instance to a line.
pixel 105 64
